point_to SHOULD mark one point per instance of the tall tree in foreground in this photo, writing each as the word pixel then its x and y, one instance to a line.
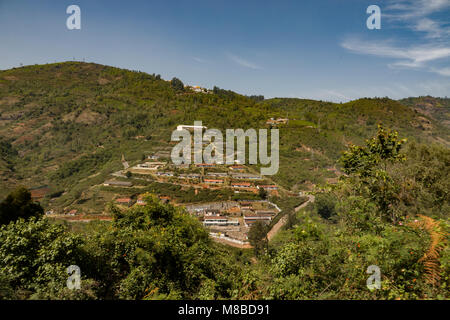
pixel 369 168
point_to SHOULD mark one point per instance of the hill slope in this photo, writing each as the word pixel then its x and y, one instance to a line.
pixel 436 108
pixel 67 125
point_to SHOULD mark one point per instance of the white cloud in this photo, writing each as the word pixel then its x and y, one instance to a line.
pixel 442 71
pixel 432 28
pixel 242 62
pixel 415 15
pixel 407 9
pixel 432 42
pixel 412 57
pixel 416 55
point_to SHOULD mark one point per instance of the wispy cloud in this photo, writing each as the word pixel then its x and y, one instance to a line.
pixel 411 57
pixel 432 28
pixel 242 62
pixel 200 60
pixel 431 45
pixel 406 9
pixel 415 15
pixel 443 71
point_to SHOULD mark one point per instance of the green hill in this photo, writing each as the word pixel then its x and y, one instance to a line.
pixel 67 125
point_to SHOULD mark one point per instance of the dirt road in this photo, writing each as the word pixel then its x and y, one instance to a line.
pixel 283 220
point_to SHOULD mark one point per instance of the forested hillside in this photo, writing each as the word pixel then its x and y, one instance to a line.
pixel 378 170
pixel 66 125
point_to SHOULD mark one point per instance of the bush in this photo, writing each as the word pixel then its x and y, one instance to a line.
pixel 325 204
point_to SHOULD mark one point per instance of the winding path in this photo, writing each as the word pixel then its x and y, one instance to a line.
pixel 284 219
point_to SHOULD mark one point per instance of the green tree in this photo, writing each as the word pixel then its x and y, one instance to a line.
pixel 378 152
pixel 35 254
pixel 157 251
pixel 177 84
pixel 325 204
pixel 18 204
pixel 263 193
pixel 369 168
pixel 257 236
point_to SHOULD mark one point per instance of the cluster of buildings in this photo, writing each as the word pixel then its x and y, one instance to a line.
pixel 248 219
pixel 197 89
pixel 264 216
pixel 233 219
pixel 252 213
pixel 152 166
pixel 230 219
pixel 236 177
pixel 165 174
pixel 219 221
pixel 246 176
pixel 232 214
pixel 190 176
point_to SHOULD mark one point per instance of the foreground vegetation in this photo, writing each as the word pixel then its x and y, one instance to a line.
pixel 390 210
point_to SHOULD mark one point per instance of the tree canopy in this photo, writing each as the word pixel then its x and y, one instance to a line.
pixel 18 204
pixel 177 84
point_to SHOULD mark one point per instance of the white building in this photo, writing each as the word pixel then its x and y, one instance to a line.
pixel 187 127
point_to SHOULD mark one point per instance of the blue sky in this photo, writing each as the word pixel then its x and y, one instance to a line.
pixel 318 49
